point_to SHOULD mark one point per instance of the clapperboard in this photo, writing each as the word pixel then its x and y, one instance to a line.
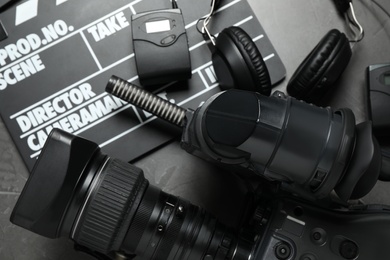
pixel 59 54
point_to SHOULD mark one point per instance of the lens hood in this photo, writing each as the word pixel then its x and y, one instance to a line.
pixel 58 182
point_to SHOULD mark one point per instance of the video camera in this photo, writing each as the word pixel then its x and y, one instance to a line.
pixel 300 153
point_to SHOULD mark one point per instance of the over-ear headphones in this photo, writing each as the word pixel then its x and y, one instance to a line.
pixel 236 60
pixel 321 68
pixel 238 63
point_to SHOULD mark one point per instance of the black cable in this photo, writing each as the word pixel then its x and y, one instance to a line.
pixel 205 33
pixel 358 40
pixel 174 4
pixel 197 25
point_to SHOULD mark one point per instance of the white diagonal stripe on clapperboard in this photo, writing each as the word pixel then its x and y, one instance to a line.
pixel 28 10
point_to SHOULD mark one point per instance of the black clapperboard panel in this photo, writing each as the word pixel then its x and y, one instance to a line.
pixel 59 55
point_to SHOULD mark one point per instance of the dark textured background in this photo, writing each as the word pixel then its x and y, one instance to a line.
pixel 294 27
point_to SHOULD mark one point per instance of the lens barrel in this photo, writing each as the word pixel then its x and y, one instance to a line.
pixel 107 206
pixel 122 212
pixel 167 227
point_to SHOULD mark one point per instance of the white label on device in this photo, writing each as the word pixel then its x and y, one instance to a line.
pixel 158 26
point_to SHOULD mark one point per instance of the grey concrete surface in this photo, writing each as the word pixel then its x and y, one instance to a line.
pixel 294 27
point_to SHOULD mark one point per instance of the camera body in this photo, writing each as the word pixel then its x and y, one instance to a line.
pixel 309 150
pixel 108 207
pixel 298 230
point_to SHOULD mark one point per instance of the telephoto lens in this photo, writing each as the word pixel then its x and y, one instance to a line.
pixel 108 206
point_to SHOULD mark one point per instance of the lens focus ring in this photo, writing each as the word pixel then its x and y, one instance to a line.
pixel 109 208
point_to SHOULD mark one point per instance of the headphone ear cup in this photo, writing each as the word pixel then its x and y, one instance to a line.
pixel 321 68
pixel 238 63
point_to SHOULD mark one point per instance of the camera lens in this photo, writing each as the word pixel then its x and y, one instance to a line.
pixel 107 206
pixel 122 212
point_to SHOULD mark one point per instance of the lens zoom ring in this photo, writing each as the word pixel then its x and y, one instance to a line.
pixel 110 208
pixel 170 237
pixel 141 219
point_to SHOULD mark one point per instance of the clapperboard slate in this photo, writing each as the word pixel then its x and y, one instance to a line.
pixel 59 55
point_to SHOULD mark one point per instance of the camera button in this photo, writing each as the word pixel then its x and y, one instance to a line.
pixel 282 251
pixel 318 236
pixel 349 249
